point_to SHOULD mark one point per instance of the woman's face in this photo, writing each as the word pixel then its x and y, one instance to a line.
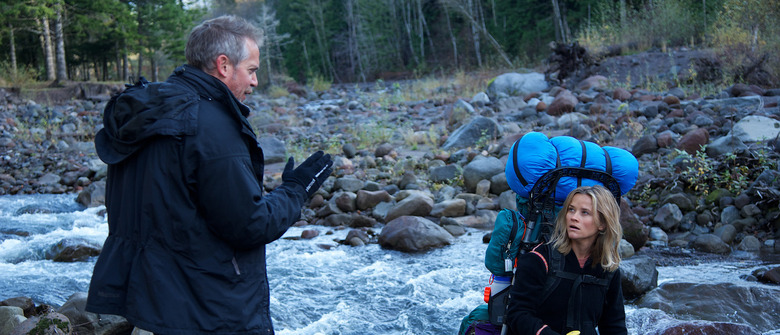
pixel 581 221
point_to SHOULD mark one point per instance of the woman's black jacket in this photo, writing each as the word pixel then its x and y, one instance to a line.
pixel 528 312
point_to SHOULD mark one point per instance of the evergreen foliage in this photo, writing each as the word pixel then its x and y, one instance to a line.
pixel 366 40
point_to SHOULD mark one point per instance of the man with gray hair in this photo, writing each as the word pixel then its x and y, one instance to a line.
pixel 187 216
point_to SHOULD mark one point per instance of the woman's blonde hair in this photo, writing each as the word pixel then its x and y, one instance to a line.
pixel 605 249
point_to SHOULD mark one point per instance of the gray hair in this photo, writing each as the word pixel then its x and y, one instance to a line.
pixel 224 35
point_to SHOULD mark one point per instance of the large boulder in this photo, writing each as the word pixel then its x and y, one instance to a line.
pixel 639 276
pixel 754 128
pixel 93 195
pixel 516 84
pixel 634 231
pixel 732 302
pixel 47 324
pixel 274 150
pixel 655 322
pixel 10 318
pixel 470 134
pixel 72 250
pixel 564 102
pixel 414 203
pixel 413 234
pixel 481 168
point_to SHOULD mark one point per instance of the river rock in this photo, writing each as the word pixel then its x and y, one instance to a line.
pixel 446 173
pixel 565 102
pixel 634 231
pixel 345 201
pixel 47 324
pixel 458 113
pixel 749 243
pixel 452 227
pixel 725 145
pixel 72 250
pixel 692 141
pixel 595 82
pixel 711 243
pixel 469 134
pixel 25 303
pixel 481 219
pixel 10 318
pixel 348 184
pixel 639 275
pixel 480 99
pixel 726 232
pixel 682 200
pixel 754 128
pixel 481 168
pixel 646 144
pixel 449 208
pixel 355 235
pixel 368 199
pixel 498 183
pixel 706 327
pixel 516 84
pixel 93 195
pixel 668 217
pixel 625 249
pixel 274 150
pixel 83 322
pixel 413 234
pixel 754 305
pixel 415 204
pixel 510 105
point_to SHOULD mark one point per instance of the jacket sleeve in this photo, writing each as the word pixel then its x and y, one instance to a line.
pixel 613 318
pixel 526 294
pixel 228 193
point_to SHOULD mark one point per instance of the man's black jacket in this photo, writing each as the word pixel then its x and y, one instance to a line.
pixel 188 221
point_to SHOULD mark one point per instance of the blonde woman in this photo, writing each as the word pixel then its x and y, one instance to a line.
pixel 572 283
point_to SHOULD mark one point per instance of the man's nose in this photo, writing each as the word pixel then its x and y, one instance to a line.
pixel 253 83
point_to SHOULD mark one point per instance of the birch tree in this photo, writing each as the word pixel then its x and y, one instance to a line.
pixel 272 40
pixel 471 11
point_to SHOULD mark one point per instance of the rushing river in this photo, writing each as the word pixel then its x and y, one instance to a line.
pixel 314 289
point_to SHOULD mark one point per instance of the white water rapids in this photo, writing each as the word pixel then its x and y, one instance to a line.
pixel 314 290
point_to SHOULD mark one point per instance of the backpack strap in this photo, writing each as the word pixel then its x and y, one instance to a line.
pixel 554 275
pixel 507 250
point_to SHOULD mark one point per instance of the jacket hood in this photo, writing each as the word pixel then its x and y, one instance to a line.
pixel 144 111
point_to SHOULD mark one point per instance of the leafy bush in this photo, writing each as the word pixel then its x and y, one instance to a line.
pixel 21 77
pixel 747 38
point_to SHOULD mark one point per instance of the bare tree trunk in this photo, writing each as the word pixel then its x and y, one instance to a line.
pixel 62 70
pixel 306 56
pixel 125 63
pixel 48 53
pixel 420 30
pixel 118 61
pixel 314 11
pixel 12 41
pixel 475 33
pixel 396 32
pixel 153 65
pixel 452 37
pixel 425 28
pixel 407 18
pixel 466 8
pixel 560 31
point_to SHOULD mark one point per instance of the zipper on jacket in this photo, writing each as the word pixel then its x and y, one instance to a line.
pixel 235 266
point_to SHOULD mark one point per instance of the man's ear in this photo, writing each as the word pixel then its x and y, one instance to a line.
pixel 223 65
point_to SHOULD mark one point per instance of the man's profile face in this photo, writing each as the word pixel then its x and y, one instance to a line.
pixel 242 77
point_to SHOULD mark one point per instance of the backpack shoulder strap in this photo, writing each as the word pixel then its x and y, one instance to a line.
pixel 554 265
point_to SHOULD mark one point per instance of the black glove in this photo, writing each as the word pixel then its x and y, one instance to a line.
pixel 311 173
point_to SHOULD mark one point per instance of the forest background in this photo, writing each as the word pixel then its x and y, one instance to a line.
pixel 319 42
